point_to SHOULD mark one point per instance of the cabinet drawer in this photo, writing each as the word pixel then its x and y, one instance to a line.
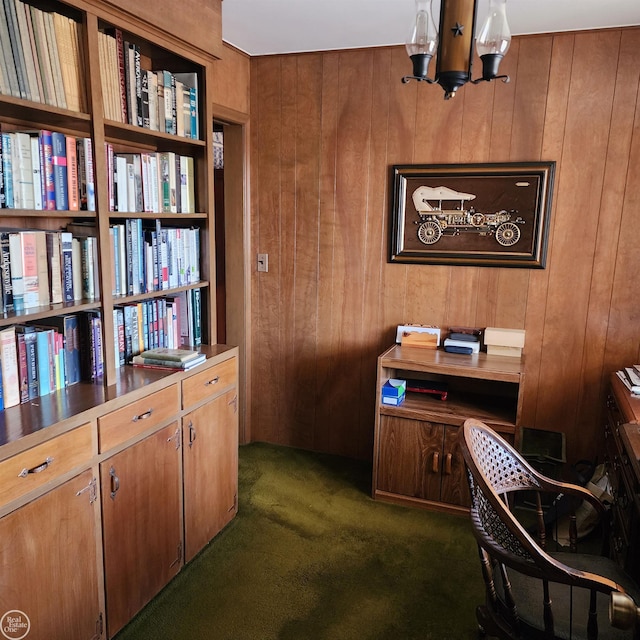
pixel 32 469
pixel 209 382
pixel 121 425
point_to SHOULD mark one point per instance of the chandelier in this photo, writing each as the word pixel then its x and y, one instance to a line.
pixel 454 43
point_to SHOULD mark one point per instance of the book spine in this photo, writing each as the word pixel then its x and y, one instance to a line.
pixel 138 85
pixel 122 76
pixel 42 350
pixel 144 97
pixel 32 364
pixel 9 358
pixel 197 317
pixel 3 202
pixel 66 257
pixel 54 266
pixel 36 167
pixel 5 265
pixel 59 160
pixel 73 191
pixel 49 196
pixel 7 169
pixel 22 369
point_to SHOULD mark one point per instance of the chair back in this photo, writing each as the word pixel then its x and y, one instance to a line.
pixel 496 471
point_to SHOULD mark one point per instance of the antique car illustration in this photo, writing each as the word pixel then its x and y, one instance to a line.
pixel 436 221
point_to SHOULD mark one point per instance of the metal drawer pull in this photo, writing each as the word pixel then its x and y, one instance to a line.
pixel 214 381
pixel 142 416
pixel 192 433
pixel 115 483
pixel 38 469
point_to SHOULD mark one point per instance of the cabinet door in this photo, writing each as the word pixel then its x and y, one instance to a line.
pixel 210 435
pixel 141 522
pixel 454 488
pixel 410 457
pixel 41 576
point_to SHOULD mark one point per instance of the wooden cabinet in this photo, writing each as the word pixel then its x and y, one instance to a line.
pixel 622 453
pixel 421 461
pixel 49 563
pixel 62 563
pixel 210 436
pixel 416 456
pixel 142 525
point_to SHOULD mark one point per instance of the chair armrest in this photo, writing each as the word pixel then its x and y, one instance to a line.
pixel 623 612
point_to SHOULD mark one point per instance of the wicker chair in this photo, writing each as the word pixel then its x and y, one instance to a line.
pixel 532 593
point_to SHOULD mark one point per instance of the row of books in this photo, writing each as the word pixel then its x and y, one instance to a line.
pixel 42 56
pixel 46 170
pixel 149 257
pixel 39 268
pixel 160 182
pixel 171 322
pixel 154 99
pixel 39 359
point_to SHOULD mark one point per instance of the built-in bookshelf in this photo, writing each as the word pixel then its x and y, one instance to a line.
pixel 105 195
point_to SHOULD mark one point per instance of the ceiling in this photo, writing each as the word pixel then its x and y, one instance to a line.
pixel 261 27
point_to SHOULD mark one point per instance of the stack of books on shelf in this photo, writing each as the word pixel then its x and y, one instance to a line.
pixel 630 377
pixel 170 323
pixel 46 171
pixel 42 56
pixel 156 99
pixel 39 358
pixel 170 359
pixel 150 182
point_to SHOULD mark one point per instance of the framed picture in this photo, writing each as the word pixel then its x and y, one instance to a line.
pixel 494 215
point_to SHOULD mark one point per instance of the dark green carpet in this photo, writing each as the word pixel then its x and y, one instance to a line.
pixel 311 556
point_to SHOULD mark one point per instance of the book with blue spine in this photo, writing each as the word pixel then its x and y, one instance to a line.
pixel 59 161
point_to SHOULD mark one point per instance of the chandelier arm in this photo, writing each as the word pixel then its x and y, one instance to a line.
pixel 406 79
pixel 504 78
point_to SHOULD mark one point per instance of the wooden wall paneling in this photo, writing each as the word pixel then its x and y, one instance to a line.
pixel 503 106
pixel 286 250
pixel 622 328
pixel 564 103
pixel 354 138
pixel 328 229
pixel 611 243
pixel 375 238
pixel 307 220
pixel 579 195
pixel 231 79
pixel 400 134
pixel 527 126
pixel 252 404
pixel 553 138
pixel 268 379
